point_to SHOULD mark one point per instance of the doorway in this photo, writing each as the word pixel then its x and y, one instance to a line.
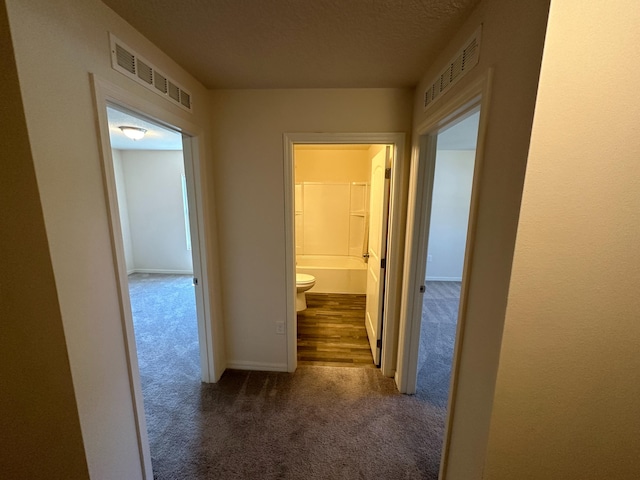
pixel 444 116
pixel 355 230
pixel 341 206
pixel 152 195
pixel 446 247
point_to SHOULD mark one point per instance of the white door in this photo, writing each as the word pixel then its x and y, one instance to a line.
pixel 378 215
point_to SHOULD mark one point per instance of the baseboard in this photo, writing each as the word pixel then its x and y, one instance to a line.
pixel 258 366
pixel 443 279
pixel 153 270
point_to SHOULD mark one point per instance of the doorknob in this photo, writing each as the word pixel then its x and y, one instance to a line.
pixel 365 255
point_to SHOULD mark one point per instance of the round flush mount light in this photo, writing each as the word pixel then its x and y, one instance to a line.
pixel 134 133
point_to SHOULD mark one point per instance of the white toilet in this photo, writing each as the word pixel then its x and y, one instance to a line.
pixel 303 283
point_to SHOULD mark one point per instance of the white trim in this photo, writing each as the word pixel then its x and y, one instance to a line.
pixel 449 112
pixel 257 366
pixel 104 94
pixel 394 235
pixel 161 270
pixel 443 279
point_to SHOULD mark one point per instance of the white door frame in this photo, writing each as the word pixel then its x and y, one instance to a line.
pixel 394 235
pixel 475 95
pixel 106 94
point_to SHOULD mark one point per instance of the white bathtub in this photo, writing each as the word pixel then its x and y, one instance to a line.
pixel 334 274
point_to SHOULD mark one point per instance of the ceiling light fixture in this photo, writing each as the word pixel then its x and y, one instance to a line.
pixel 134 133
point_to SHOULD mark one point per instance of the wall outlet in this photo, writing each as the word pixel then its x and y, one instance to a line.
pixel 429 258
pixel 280 328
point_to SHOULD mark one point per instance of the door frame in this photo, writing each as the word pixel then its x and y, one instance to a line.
pixel 394 237
pixel 105 94
pixel 473 96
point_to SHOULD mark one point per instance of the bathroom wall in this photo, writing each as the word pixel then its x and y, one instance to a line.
pixel 331 199
pixel 328 163
pixel 153 192
pixel 449 214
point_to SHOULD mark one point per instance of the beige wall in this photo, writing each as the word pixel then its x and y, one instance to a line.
pixel 331 165
pixel 248 157
pixel 567 402
pixel 41 437
pixel 57 45
pixel 512 39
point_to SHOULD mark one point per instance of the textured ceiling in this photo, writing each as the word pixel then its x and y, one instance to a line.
pixel 299 43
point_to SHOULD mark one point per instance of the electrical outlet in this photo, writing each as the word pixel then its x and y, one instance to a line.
pixel 280 328
pixel 429 258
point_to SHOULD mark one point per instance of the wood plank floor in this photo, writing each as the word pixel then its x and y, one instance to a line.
pixel 331 331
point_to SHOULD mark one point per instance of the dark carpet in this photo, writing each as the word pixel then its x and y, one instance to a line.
pixel 318 423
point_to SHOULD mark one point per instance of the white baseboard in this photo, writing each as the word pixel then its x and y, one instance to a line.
pixel 444 279
pixel 258 366
pixel 153 270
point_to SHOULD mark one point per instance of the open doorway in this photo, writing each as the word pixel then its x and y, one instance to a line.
pixel 154 217
pixel 152 195
pixel 341 205
pixel 446 245
pixel 203 282
pixel 340 242
pixel 442 217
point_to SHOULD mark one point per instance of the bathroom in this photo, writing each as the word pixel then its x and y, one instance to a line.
pixel 332 198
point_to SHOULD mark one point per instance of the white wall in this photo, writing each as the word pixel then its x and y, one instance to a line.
pixel 567 402
pixel 123 210
pixel 57 44
pixel 155 207
pixel 512 40
pixel 449 214
pixel 249 173
pixel 330 218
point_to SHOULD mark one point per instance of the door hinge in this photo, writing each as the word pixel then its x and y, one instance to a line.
pixel 195 281
pixel 387 172
pixel 422 288
pixel 379 343
pixel 383 263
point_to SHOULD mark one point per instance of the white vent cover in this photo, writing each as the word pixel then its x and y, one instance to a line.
pixel 129 63
pixel 462 62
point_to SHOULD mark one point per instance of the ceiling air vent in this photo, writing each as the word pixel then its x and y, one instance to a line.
pixel 460 64
pixel 145 72
pixel 125 59
pixel 161 83
pixel 129 63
